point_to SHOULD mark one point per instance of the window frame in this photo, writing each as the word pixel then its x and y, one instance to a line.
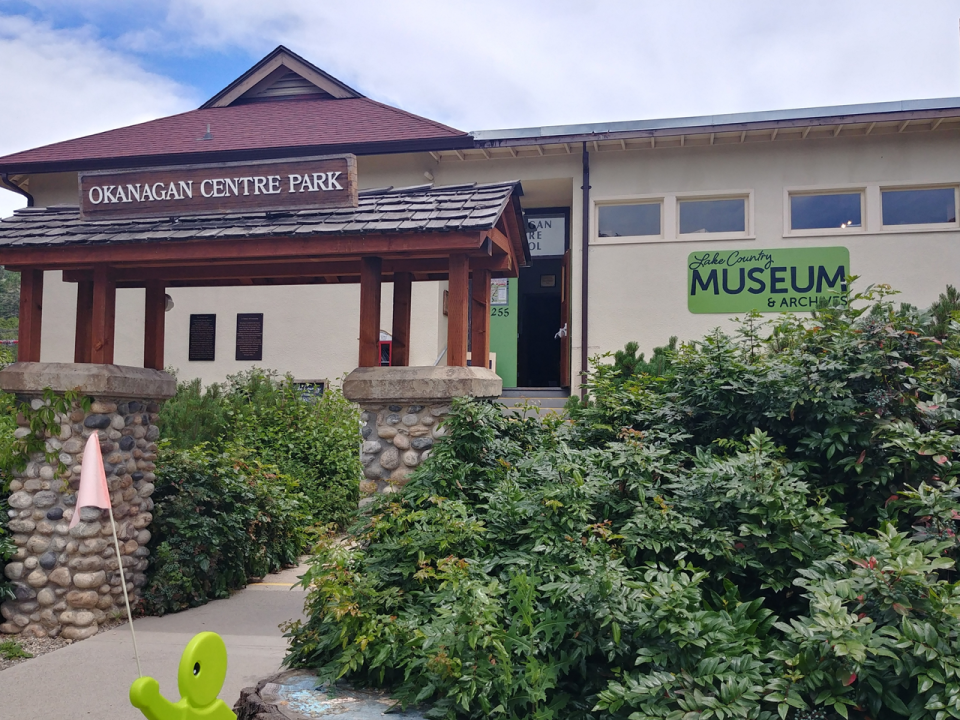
pixel 788 229
pixel 631 200
pixel 925 227
pixel 747 232
pixel 670 217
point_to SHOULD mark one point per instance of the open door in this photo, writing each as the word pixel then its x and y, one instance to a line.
pixel 565 319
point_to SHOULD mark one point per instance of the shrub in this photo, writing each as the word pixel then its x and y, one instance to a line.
pixel 314 441
pixel 219 519
pixel 768 531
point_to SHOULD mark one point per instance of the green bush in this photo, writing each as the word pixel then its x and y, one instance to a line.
pixel 767 531
pixel 314 441
pixel 246 469
pixel 220 518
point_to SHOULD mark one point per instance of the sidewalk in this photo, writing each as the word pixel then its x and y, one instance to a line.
pixel 91 678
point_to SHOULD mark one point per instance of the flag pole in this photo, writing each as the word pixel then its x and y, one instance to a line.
pixel 123 584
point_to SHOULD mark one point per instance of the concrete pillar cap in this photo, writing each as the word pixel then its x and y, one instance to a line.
pixel 419 385
pixel 115 381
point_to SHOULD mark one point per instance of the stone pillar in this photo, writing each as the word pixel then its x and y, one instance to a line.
pixel 66 581
pixel 403 410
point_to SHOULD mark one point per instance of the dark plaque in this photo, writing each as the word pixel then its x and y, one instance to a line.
pixel 250 336
pixel 295 184
pixel 203 336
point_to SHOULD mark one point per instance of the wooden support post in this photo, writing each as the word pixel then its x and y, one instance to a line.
pixel 31 314
pixel 81 340
pixel 457 309
pixel 103 317
pixel 402 290
pixel 153 327
pixel 480 321
pixel 370 311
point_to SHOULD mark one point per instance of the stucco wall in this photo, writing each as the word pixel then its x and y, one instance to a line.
pixel 637 290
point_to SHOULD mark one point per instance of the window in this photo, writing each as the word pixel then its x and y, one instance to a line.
pixel 628 220
pixel 926 206
pixel 713 216
pixel 829 210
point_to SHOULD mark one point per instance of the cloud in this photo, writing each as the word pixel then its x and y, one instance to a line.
pixel 509 63
pixel 61 84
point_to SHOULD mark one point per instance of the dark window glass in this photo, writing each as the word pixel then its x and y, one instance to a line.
pixel 626 220
pixel 838 210
pixel 919 207
pixel 713 216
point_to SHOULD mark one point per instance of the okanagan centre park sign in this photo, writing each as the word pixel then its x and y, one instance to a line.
pixel 778 280
pixel 295 184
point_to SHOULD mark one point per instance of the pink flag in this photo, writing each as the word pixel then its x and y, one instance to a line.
pixel 93 480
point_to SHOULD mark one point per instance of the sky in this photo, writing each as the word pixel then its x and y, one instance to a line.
pixel 72 68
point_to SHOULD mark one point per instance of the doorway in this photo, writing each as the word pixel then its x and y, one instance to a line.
pixel 539 341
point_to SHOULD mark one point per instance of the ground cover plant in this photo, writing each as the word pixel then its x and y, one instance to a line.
pixel 247 470
pixel 767 530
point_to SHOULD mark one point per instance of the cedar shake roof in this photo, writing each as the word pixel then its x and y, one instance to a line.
pixel 423 209
pixel 282 107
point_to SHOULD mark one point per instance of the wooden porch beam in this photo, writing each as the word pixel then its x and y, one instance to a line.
pixel 103 317
pixel 138 277
pixel 267 248
pixel 31 315
pixel 480 319
pixel 402 293
pixel 370 288
pixel 154 325
pixel 84 325
pixel 457 309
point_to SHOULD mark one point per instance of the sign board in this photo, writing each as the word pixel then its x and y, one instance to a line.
pixel 778 280
pixel 250 337
pixel 499 292
pixel 546 234
pixel 296 184
pixel 203 337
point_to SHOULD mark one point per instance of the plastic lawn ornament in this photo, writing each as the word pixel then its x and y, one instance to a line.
pixel 203 667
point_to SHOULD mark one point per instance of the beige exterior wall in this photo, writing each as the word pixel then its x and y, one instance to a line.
pixel 637 289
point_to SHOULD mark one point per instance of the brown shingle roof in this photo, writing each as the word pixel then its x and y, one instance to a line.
pixel 274 129
pixel 385 210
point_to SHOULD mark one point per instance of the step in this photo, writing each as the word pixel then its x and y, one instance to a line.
pixel 530 392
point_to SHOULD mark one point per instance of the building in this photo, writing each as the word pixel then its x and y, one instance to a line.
pixel 636 230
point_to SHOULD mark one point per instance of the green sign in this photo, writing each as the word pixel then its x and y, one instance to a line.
pixel 779 280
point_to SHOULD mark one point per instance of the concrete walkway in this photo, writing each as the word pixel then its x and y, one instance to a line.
pixel 91 678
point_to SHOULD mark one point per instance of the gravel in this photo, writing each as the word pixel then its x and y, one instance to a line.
pixel 41 646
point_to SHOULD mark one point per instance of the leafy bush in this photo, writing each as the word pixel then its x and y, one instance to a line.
pixel 768 531
pixel 314 441
pixel 219 519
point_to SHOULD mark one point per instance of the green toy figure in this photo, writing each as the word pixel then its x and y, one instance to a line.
pixel 203 667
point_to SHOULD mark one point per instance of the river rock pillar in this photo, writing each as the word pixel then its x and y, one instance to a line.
pixel 402 414
pixel 66 580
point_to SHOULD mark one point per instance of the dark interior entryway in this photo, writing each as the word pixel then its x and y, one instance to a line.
pixel 539 348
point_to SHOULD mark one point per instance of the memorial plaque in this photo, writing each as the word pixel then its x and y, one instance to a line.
pixel 250 336
pixel 203 336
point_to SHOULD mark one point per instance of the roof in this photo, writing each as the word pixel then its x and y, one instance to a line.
pixel 251 131
pixel 424 208
pixel 939 106
pixel 280 63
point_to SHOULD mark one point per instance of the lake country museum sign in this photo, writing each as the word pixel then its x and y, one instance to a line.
pixel 777 280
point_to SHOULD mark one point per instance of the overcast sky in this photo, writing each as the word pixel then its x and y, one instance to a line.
pixel 75 68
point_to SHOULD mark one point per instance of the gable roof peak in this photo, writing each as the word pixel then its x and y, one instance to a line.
pixel 281 75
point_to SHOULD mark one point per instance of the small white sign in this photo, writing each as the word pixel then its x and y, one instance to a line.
pixel 546 234
pixel 499 289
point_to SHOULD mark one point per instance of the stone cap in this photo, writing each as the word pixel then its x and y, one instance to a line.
pixel 112 381
pixel 419 385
